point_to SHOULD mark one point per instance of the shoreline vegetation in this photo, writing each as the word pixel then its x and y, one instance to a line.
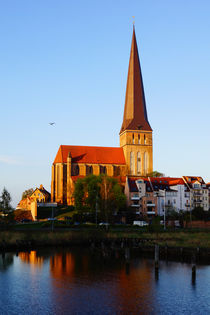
pixel 179 245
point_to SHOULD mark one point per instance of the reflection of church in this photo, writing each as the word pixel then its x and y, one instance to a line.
pixel 132 158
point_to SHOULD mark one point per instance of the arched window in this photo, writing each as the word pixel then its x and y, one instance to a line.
pixel 132 163
pixel 103 169
pixel 139 139
pixel 145 163
pixel 75 170
pixel 116 170
pixel 133 139
pixel 89 169
pixel 138 163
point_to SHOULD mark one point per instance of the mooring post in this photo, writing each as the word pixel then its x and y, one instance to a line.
pixel 127 253
pixel 193 267
pixel 156 257
pixel 127 258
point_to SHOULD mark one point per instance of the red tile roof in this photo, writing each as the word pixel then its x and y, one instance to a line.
pixel 92 155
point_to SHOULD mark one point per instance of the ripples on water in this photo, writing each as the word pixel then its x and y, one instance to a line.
pixel 79 281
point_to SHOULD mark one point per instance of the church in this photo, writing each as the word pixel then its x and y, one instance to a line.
pixel 134 156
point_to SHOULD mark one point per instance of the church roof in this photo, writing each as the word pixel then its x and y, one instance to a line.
pixel 92 155
pixel 135 112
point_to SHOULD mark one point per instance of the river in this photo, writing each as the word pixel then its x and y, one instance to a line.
pixel 81 281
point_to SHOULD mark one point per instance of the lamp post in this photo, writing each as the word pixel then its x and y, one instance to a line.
pixel 96 208
pixel 190 209
pixel 164 207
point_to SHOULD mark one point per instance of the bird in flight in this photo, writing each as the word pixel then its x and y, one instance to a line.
pixel 52 123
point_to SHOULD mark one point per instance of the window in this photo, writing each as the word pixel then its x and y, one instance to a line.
pixel 75 170
pixel 89 169
pixel 138 163
pixel 133 139
pixel 103 169
pixel 145 163
pixel 139 140
pixel 116 170
pixel 145 139
pixel 132 163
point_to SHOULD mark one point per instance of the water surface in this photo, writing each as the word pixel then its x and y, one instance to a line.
pixel 81 281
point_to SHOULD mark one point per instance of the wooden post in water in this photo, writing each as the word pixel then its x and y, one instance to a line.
pixel 156 257
pixel 127 254
pixel 193 268
pixel 127 258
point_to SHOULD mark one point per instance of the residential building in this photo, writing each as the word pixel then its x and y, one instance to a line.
pixel 159 194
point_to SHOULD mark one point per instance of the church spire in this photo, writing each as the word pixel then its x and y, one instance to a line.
pixel 135 112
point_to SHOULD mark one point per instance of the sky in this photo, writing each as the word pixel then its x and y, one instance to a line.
pixel 66 62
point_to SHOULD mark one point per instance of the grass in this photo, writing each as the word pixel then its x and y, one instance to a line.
pixel 191 239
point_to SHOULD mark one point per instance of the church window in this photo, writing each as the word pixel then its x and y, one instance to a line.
pixel 145 163
pixel 133 139
pixel 75 170
pixel 103 169
pixel 138 139
pixel 116 170
pixel 138 163
pixel 132 163
pixel 89 169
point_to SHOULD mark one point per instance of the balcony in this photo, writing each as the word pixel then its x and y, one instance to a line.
pixel 135 206
pixel 150 204
pixel 197 194
pixel 198 200
pixel 151 212
pixel 135 198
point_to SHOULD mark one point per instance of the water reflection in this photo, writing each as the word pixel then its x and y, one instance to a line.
pixel 81 281
pixel 31 258
pixel 6 259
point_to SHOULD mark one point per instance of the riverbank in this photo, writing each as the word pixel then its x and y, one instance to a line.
pixel 175 239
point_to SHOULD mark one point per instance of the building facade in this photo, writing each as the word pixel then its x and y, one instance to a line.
pixel 134 157
pixel 151 196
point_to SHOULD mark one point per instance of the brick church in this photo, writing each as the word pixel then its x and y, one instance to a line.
pixel 134 157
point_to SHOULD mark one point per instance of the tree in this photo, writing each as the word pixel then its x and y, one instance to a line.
pixel 27 193
pixel 199 213
pixel 79 194
pixel 5 200
pixel 155 174
pixel 102 191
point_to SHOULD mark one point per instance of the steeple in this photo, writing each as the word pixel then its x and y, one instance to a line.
pixel 135 112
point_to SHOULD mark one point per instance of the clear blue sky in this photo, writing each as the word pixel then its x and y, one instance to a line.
pixel 67 61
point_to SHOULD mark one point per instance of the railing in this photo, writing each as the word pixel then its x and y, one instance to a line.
pixel 135 198
pixel 151 212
